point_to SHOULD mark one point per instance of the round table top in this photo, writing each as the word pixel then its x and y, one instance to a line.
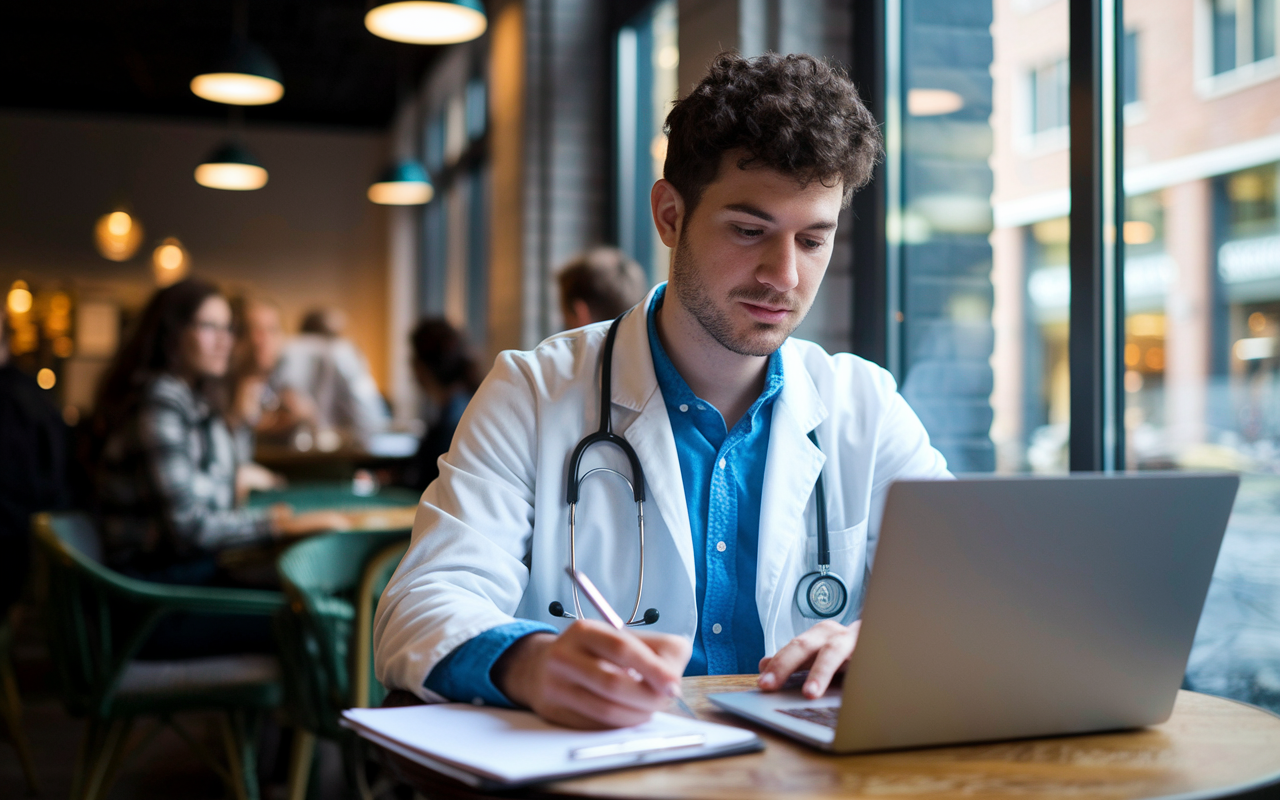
pixel 1209 747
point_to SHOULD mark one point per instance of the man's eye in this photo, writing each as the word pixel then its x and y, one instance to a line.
pixel 812 244
pixel 750 233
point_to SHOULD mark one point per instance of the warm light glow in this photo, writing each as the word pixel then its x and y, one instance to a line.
pixel 119 223
pixel 669 57
pixel 401 193
pixel 117 236
pixel 933 102
pixel 46 379
pixel 1257 322
pixel 425 22
pixel 1133 381
pixel 1146 325
pixel 1138 232
pixel 231 176
pixel 237 88
pixel 169 262
pixel 63 347
pixel 19 298
pixel 1132 354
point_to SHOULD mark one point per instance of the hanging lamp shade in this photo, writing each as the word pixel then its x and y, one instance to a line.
pixel 117 235
pixel 244 76
pixel 405 183
pixel 426 21
pixel 231 167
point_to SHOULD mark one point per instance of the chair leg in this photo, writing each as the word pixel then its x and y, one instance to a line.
pixel 304 750
pixel 240 736
pixel 11 706
pixel 97 772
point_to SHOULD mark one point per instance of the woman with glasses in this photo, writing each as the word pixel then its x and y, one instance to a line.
pixel 165 459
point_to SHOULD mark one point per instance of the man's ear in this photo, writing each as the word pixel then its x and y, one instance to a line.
pixel 668 211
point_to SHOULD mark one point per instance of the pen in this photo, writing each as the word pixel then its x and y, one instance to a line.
pixel 605 610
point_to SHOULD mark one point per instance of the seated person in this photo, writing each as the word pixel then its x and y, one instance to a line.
pixel 731 422
pixel 262 406
pixel 598 286
pixel 447 374
pixel 165 461
pixel 328 370
pixel 33 468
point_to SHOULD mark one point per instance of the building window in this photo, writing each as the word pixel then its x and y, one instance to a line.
pixel 1050 103
pixel 1129 86
pixel 1244 31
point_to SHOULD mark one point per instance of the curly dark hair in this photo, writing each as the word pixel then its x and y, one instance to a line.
pixel 794 113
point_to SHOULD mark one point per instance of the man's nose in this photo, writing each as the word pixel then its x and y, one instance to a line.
pixel 779 269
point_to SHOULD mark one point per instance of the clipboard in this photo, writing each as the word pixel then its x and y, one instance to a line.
pixel 500 748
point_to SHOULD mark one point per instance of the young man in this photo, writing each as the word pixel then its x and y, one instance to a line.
pixel 719 406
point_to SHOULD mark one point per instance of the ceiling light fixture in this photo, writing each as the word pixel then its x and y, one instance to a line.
pixel 933 102
pixel 245 76
pixel 170 262
pixel 405 183
pixel 426 21
pixel 231 167
pixel 117 235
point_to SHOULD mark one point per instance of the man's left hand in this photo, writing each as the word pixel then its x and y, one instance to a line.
pixel 824 650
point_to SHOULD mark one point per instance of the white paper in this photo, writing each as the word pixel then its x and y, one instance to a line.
pixel 512 747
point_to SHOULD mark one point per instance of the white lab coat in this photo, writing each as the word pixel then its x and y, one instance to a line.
pixel 491 536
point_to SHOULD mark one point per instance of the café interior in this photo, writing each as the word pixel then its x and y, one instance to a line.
pixel 367 202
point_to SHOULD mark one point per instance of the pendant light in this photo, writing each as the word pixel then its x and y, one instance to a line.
pixel 245 75
pixel 426 21
pixel 117 235
pixel 404 183
pixel 231 167
pixel 170 262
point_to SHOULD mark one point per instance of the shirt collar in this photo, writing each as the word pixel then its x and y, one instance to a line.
pixel 675 390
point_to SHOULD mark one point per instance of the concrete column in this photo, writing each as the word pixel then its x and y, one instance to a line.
pixel 506 137
pixel 1188 227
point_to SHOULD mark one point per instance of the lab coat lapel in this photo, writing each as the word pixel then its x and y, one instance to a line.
pixel 791 471
pixel 635 387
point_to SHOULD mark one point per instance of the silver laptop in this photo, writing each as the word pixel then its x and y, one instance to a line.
pixel 1008 607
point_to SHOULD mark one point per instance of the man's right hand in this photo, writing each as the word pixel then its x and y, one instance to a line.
pixel 593 676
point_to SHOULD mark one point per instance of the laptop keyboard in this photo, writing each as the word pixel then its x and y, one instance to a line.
pixel 825 716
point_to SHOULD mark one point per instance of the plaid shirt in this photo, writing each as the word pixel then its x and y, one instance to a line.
pixel 166 482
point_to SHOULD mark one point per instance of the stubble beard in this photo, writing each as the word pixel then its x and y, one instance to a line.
pixel 761 338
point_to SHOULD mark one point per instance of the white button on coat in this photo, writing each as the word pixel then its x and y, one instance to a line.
pixel 684 406
pixel 721 546
pixel 716 628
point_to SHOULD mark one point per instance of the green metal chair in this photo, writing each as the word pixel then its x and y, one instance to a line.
pixel 98 620
pixel 11 705
pixel 325 638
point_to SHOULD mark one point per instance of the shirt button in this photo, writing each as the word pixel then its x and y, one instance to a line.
pixel 701 407
pixel 716 628
pixel 722 463
pixel 721 546
pixel 684 406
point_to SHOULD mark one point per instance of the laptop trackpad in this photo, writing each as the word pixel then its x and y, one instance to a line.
pixel 787 710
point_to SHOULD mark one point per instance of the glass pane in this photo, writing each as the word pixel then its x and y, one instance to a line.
pixel 648 56
pixel 1264 29
pixel 1224 35
pixel 983 231
pixel 1202 338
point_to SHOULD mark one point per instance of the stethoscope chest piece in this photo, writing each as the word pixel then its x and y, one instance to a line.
pixel 821 595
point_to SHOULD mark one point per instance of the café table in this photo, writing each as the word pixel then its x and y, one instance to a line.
pixel 1209 747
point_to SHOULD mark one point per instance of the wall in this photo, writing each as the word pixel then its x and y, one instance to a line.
pixel 308 238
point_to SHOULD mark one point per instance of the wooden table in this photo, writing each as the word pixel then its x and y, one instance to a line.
pixel 1210 747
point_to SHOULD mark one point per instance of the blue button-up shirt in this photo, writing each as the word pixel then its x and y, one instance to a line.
pixel 723 475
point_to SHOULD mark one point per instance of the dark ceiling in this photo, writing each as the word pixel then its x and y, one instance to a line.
pixel 138 57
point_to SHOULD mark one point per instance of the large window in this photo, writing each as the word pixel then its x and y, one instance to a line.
pixel 1170 358
pixel 647 55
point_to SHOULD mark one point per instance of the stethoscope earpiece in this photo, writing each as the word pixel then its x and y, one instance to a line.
pixel 556 609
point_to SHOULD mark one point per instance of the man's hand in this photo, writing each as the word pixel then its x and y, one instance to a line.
pixel 824 650
pixel 592 676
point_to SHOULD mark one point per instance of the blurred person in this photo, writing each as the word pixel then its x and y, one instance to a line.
pixel 446 370
pixel 332 375
pixel 33 467
pixel 166 463
pixel 598 285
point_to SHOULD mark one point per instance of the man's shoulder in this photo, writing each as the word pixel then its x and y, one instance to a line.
pixel 842 371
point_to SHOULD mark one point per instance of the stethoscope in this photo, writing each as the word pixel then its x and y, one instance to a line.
pixel 819 595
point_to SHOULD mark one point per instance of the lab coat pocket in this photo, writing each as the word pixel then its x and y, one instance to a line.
pixel 848 562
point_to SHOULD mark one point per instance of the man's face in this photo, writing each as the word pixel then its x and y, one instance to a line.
pixel 265 334
pixel 751 256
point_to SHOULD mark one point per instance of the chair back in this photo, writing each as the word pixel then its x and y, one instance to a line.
pixel 86 621
pixel 321 578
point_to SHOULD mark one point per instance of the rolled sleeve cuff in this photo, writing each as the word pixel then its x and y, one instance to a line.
pixel 463 675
